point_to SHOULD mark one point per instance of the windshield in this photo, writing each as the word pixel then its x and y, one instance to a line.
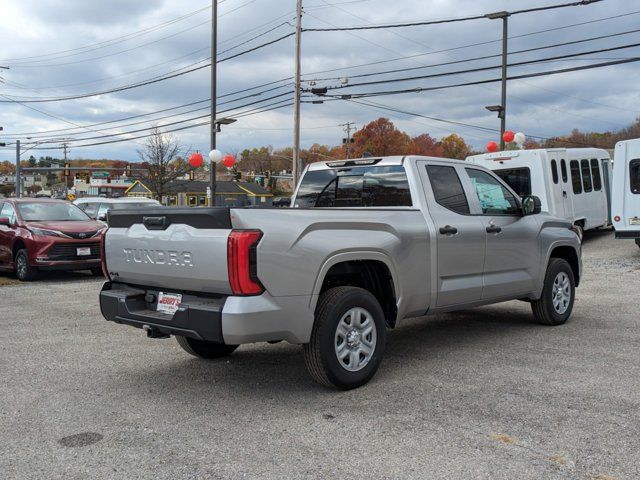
pixel 355 187
pixel 50 212
pixel 519 179
pixel 130 206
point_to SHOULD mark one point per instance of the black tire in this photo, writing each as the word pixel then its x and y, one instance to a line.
pixel 638 242
pixel 579 231
pixel 24 271
pixel 543 309
pixel 203 349
pixel 321 355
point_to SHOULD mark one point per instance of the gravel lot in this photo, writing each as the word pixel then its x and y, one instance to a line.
pixel 485 393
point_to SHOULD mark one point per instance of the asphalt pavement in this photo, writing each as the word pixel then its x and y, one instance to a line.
pixel 482 394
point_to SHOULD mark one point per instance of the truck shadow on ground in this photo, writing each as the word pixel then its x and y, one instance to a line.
pixel 266 369
pixel 8 278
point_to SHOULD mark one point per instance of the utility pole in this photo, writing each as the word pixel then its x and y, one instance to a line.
pixel 502 110
pixel 348 140
pixel 297 165
pixel 65 149
pixel 18 177
pixel 214 66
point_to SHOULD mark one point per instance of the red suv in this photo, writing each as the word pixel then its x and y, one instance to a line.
pixel 39 234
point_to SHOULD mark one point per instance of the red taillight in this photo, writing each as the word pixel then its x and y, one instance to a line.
pixel 103 257
pixel 242 262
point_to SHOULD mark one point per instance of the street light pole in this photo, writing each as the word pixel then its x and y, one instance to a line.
pixel 214 61
pixel 18 177
pixel 502 112
pixel 296 108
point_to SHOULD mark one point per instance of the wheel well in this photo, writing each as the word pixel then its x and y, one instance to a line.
pixel 19 245
pixel 569 254
pixel 371 275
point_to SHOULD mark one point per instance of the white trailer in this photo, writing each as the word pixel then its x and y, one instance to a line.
pixel 626 190
pixel 572 183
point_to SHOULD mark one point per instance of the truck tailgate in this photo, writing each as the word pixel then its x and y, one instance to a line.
pixel 179 249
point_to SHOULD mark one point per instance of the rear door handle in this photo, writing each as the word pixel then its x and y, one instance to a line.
pixel 493 229
pixel 448 230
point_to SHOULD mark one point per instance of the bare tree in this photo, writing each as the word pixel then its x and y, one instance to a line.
pixel 162 154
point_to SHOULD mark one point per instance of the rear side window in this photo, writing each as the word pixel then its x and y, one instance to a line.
pixel 586 175
pixel 575 176
pixel 519 179
pixel 595 172
pixel 370 186
pixel 634 176
pixel 554 171
pixel 563 168
pixel 447 188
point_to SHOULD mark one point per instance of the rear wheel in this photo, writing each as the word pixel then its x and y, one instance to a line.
pixel 348 338
pixel 638 242
pixel 97 272
pixel 579 229
pixel 24 271
pixel 556 303
pixel 204 349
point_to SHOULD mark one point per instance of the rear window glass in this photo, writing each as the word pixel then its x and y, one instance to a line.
pixel 519 179
pixel 554 171
pixel 447 188
pixel 634 176
pixel 595 172
pixel 369 186
pixel 586 175
pixel 575 176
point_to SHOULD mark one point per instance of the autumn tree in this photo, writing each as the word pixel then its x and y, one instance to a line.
pixel 426 145
pixel 454 146
pixel 380 138
pixel 160 154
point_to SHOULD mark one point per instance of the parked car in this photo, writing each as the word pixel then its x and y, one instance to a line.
pixel 572 183
pixel 626 190
pixel 281 202
pixel 45 234
pixel 369 242
pixel 98 207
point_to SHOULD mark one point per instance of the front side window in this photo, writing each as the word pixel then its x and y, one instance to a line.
pixel 519 179
pixel 447 188
pixel 575 176
pixel 595 172
pixel 554 171
pixel 586 175
pixel 50 212
pixel 494 198
pixel 634 176
pixel 370 186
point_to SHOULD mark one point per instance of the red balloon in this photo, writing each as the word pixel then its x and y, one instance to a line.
pixel 492 147
pixel 196 160
pixel 228 161
pixel 508 136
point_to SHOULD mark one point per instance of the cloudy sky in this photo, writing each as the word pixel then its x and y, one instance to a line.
pixel 57 49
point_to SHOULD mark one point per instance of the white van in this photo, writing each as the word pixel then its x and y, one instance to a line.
pixel 572 183
pixel 626 190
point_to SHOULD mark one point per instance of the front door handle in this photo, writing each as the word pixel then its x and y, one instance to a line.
pixel 448 230
pixel 493 229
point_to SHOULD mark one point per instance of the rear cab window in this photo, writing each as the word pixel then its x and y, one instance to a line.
pixel 447 188
pixel 354 186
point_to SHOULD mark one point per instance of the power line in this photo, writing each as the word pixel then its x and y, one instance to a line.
pixel 448 20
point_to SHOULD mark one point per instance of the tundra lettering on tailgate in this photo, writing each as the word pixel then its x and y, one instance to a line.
pixel 158 257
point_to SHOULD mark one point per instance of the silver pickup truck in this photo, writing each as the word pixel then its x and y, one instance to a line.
pixel 367 243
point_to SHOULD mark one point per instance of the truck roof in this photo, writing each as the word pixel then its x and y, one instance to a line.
pixel 379 161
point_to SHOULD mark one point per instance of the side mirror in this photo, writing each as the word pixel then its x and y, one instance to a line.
pixel 531 205
pixel 6 221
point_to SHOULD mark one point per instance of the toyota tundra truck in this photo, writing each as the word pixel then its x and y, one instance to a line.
pixel 365 244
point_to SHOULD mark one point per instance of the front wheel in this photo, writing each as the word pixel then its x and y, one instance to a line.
pixel 556 303
pixel 24 271
pixel 638 242
pixel 348 338
pixel 204 349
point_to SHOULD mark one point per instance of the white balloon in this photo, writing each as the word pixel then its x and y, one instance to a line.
pixel 519 138
pixel 215 156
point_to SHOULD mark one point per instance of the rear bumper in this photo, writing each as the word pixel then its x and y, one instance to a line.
pixel 197 317
pixel 628 234
pixel 223 319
